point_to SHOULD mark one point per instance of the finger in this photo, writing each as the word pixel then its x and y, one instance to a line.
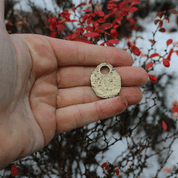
pixel 83 95
pixel 70 53
pixel 80 76
pixel 75 116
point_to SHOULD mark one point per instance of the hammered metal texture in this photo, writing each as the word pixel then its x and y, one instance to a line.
pixel 106 85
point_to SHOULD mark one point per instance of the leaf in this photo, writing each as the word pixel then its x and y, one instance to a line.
pixel 102 44
pixel 60 27
pixel 152 41
pixel 103 165
pixel 152 78
pixel 135 50
pixel 91 34
pixel 53 34
pixel 100 13
pixel 89 20
pixel 114 33
pixel 90 2
pixel 117 171
pixel 104 26
pixel 175 103
pixel 95 24
pixel 73 9
pixel 154 55
pixel 170 41
pixel 14 170
pixel 87 10
pixel 156 21
pixel 160 23
pixel 111 6
pixel 150 64
pixel 164 126
pixel 113 41
pixel 174 109
pixel 162 30
pixel 166 62
pixel 81 4
pixel 170 53
pixel 160 14
pixel 173 11
pixel 89 28
pixel 101 20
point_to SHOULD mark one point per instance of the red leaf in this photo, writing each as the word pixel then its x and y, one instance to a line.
pixel 90 2
pixel 14 170
pixel 102 44
pixel 164 126
pixel 69 36
pixel 169 42
pixel 135 50
pixel 166 62
pixel 173 11
pixel 170 53
pixel 104 26
pixel 89 28
pixel 117 171
pixel 89 20
pixel 82 39
pixel 154 55
pixel 111 6
pixel 73 9
pixel 53 26
pixel 60 27
pixel 152 78
pixel 156 21
pixel 81 4
pixel 152 41
pixel 107 167
pixel 51 19
pixel 103 165
pixel 53 34
pixel 150 64
pixel 160 14
pixel 114 33
pixel 174 109
pixel 113 41
pixel 95 24
pixel 162 30
pixel 160 23
pixel 91 34
pixel 101 20
pixel 87 10
pixel 175 103
pixel 100 13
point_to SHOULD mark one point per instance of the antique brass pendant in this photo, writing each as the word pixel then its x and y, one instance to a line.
pixel 106 85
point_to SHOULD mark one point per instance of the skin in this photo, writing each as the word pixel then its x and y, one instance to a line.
pixel 51 92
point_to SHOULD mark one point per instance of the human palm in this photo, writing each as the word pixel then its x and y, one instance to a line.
pixel 53 92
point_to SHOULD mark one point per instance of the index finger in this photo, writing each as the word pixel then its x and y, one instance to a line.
pixel 82 54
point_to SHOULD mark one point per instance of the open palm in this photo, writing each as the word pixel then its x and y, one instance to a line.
pixel 53 92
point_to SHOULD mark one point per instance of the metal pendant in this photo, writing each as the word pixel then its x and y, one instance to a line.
pixel 106 85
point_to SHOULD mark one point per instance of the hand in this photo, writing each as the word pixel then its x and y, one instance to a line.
pixel 53 92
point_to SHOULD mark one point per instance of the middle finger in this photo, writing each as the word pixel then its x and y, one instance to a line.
pixel 80 76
